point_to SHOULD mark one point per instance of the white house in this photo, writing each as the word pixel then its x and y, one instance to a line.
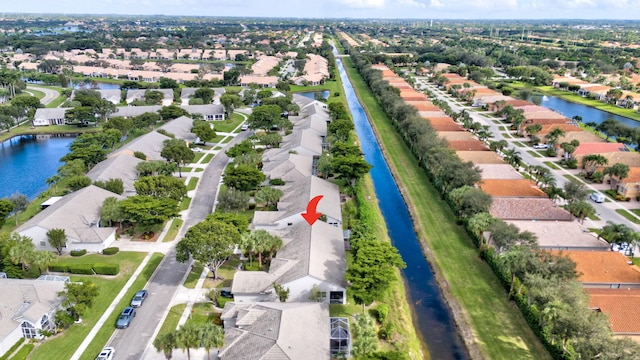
pixel 208 112
pixel 113 95
pixel 121 167
pixel 180 128
pixel 312 256
pixel 78 214
pixel 150 145
pixel 26 308
pixel 285 331
pixel 45 117
pixel 138 94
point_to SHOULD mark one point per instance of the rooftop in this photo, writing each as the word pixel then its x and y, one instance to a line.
pixel 565 234
pixel 467 145
pixel 480 157
pixel 615 303
pixel 604 267
pixel 527 208
pixel 511 187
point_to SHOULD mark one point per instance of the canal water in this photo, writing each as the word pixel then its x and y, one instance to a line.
pixel 588 114
pixel 26 162
pixel 433 321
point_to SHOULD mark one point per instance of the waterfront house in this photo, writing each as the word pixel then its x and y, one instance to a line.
pixel 605 269
pixel 78 214
pixel 28 308
pixel 138 94
pixel 150 145
pixel 112 95
pixel 121 167
pixel 45 117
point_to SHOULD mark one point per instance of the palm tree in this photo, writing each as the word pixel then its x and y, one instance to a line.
pixel 22 252
pixel 512 156
pixel 274 244
pixel 591 162
pixel 553 136
pixel 42 259
pixel 165 343
pixel 188 337
pixel 212 336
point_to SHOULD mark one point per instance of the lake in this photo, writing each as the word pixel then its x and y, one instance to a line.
pixel 588 114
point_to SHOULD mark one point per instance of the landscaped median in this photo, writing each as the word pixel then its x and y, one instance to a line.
pixel 63 346
pixel 481 306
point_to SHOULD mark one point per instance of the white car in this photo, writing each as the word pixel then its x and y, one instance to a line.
pixel 244 127
pixel 597 197
pixel 540 146
pixel 106 354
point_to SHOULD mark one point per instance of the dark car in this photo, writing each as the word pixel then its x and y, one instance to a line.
pixel 226 293
pixel 124 320
pixel 138 298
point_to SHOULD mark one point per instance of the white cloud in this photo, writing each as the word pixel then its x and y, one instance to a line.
pixel 364 4
pixel 435 4
pixel 412 3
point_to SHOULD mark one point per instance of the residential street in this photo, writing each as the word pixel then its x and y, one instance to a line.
pixel 605 211
pixel 49 94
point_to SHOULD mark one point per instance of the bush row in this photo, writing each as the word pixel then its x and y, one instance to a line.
pixel 86 269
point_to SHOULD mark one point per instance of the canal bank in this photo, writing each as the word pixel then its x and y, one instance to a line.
pixel 432 318
pixel 492 326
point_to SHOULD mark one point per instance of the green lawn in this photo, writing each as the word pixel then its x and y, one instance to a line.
pixel 105 332
pixel 228 125
pixel 173 317
pixel 506 135
pixel 57 101
pixel 198 156
pixel 534 153
pixel 23 353
pixel 58 129
pixel 204 312
pixel 37 93
pixel 628 216
pixel 194 275
pixel 552 165
pixel 173 230
pixel 519 144
pixel 573 178
pixel 207 159
pixel 184 204
pixel 64 345
pixel 185 169
pixel 497 326
pixel 193 182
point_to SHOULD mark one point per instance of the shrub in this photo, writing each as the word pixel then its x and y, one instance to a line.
pixel 387 331
pixel 59 268
pixel 79 252
pixel 252 267
pixel 110 250
pixel 140 155
pixel 276 182
pixel 381 313
pixel 106 269
pixel 84 269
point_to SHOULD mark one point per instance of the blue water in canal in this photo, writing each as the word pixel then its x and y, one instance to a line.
pixel 26 162
pixel 588 114
pixel 433 320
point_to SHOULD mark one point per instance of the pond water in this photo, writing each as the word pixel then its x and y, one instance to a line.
pixel 27 161
pixel 588 114
pixel 312 94
pixel 432 318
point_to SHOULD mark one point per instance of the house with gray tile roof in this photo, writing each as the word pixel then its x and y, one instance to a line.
pixel 316 122
pixel 288 167
pixel 113 95
pixel 122 167
pixel 78 214
pixel 304 142
pixel 181 128
pixel 284 331
pixel 208 112
pixel 294 202
pixel 310 256
pixel 45 116
pixel 26 308
pixel 138 94
pixel 150 144
pixel 132 111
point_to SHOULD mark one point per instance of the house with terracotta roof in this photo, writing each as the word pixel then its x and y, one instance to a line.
pixel 565 235
pixel 456 136
pixel 479 157
pixel 605 269
pixel 629 186
pixel 513 102
pixel 511 188
pixel 528 208
pixel 445 124
pixel 498 171
pixel 617 305
pixel 581 136
pixel 564 127
pixel 423 105
pixel 467 145
pixel 602 148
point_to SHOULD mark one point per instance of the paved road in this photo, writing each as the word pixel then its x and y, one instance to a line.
pixel 605 211
pixel 49 94
pixel 132 343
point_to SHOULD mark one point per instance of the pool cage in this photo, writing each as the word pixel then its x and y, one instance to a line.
pixel 340 338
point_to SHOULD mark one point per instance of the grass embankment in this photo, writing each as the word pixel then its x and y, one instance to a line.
pixel 173 230
pixel 105 332
pixel 575 98
pixel 488 319
pixel 27 129
pixel 64 345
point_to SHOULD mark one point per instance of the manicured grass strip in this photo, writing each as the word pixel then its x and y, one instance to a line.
pixel 192 279
pixel 207 159
pixel 37 93
pixel 229 125
pixel 63 346
pixel 627 215
pixel 496 324
pixel 518 144
pixel 226 140
pixel 173 230
pixel 173 317
pixel 185 169
pixel 184 204
pixel 198 156
pixel 199 170
pixel 57 102
pixel 534 153
pixel 23 352
pixel 507 135
pixel 105 332
pixel 193 182
pixel 573 178
pixel 552 165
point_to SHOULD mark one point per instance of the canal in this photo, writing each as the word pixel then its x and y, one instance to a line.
pixel 432 319
pixel 588 114
pixel 27 161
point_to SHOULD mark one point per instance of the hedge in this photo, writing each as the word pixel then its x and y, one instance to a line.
pixel 110 251
pixel 59 268
pixel 106 269
pixel 78 252
pixel 83 269
pixel 13 348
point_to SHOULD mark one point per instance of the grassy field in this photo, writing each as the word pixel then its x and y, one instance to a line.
pixel 64 345
pixel 173 317
pixel 173 230
pixel 105 332
pixel 194 275
pixel 26 128
pixel 491 321
pixel 207 159
pixel 229 125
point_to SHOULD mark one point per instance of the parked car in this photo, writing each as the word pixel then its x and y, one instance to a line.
pixel 124 320
pixel 106 354
pixel 540 146
pixel 226 293
pixel 138 298
pixel 597 197
pixel 244 127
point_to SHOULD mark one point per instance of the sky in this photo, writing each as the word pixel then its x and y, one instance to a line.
pixel 414 9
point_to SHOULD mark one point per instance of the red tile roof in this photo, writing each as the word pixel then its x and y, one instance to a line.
pixel 467 145
pixel 423 105
pixel 598 148
pixel 511 188
pixel 615 303
pixel 609 267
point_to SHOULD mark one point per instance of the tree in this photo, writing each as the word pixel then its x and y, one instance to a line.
pixel 241 148
pixel 230 102
pixel 268 195
pixel 479 223
pixel 281 292
pixel 618 171
pixel 57 239
pixel 340 128
pixel 6 207
pixel 166 343
pixel 616 233
pixel 372 270
pixel 42 259
pixel 164 64
pixel 238 220
pixel 172 112
pixel 177 152
pixel 210 242
pixel 243 177
pixel 366 340
pixel 166 83
pixel 204 131
pixel 78 297
pixel 581 209
pixel 148 210
pixel 591 162
pixel 469 201
pixel 204 93
pixel 350 167
pixel 20 203
pixel 78 182
pixel 338 111
pixel 188 337
pixel 575 191
pixel 116 186
pixel 212 336
pixel 264 117
pixel 21 251
pixel 553 136
pixel 110 210
pixel 161 186
pixel 230 199
pixel 505 236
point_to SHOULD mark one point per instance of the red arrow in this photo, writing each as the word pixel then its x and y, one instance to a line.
pixel 312 215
